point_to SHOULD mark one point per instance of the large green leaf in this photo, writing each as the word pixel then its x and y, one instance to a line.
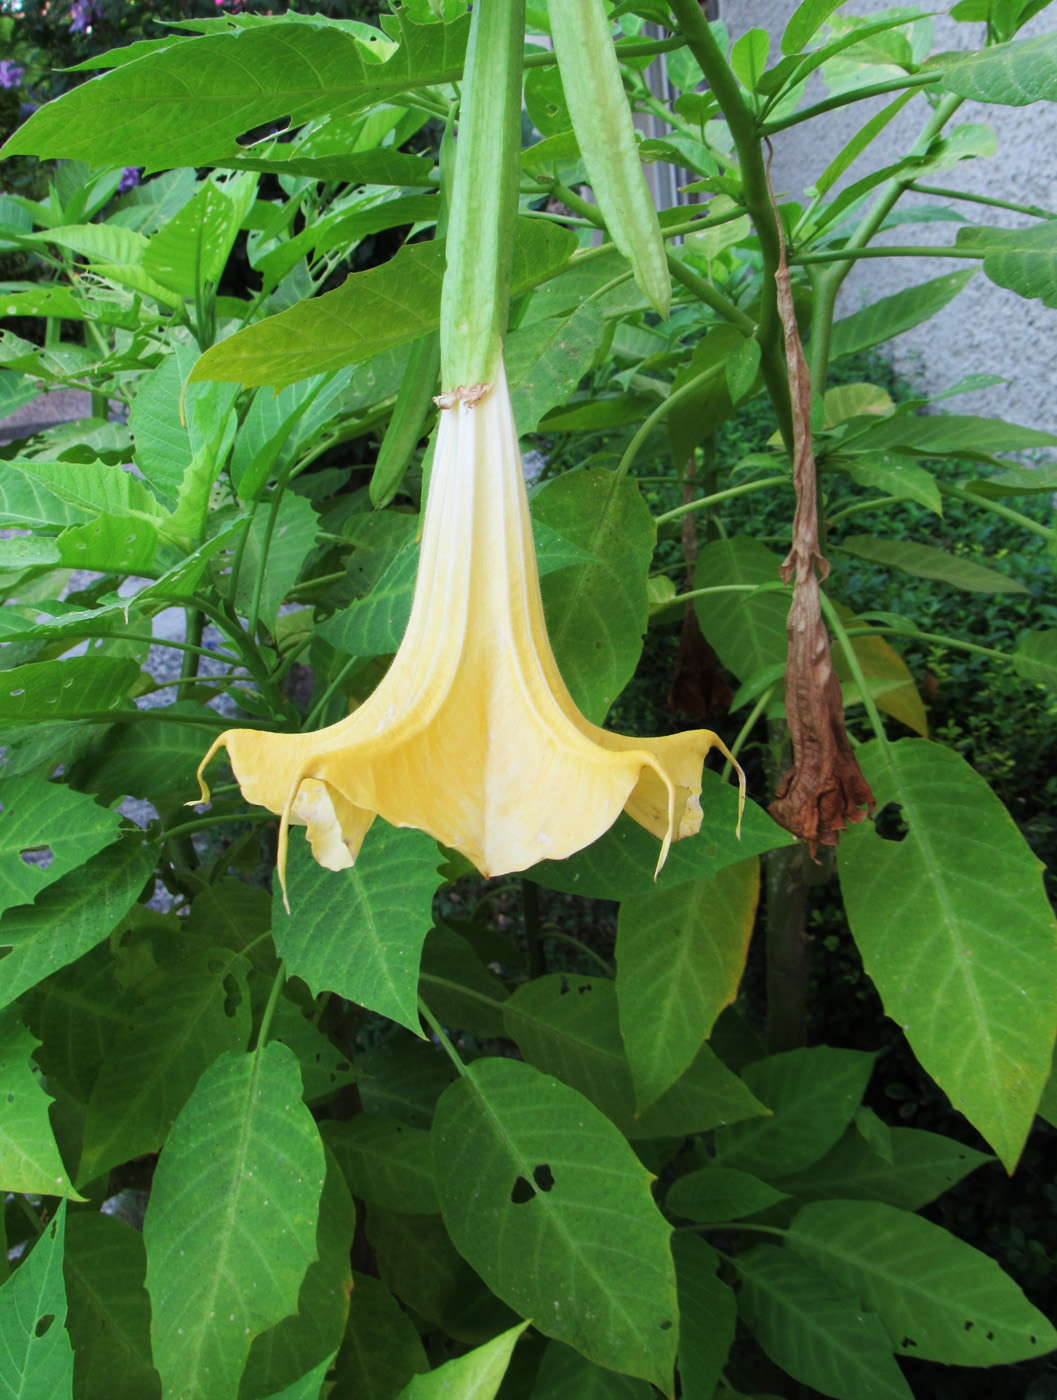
pixel 932 915
pixel 385 1162
pixel 528 1169
pixel 475 1376
pixel 231 1225
pixel 381 1349
pixel 923 1166
pixel 1035 657
pixel 192 248
pixel 545 361
pixel 53 690
pixel 197 1009
pixel 77 1012
pixel 1012 74
pixel 372 311
pixel 720 1193
pixel 747 630
pixel 597 613
pixel 925 561
pixel 680 956
pixel 29 1155
pixel 359 932
pixel 569 1027
pixel 278 542
pixel 383 166
pixel 109 1317
pixel 938 1298
pixel 36 1358
pixel 707 1316
pixel 623 863
pixel 1024 260
pixel 149 112
pixel 459 987
pixel 892 474
pixel 942 433
pixel 814 1329
pixel 50 819
pixel 313 1334
pixel 813 1095
pixel 30 505
pixel 563 1373
pixel 891 316
pixel 73 915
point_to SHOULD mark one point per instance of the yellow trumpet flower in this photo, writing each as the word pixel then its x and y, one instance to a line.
pixel 472 735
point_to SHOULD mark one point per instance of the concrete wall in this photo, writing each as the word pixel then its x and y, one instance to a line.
pixel 985 329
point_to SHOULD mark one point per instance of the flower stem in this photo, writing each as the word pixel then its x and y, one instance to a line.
pixel 442 1038
pixel 703 502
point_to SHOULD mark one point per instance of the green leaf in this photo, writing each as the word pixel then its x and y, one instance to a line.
pixel 941 902
pixel 197 1009
pixel 813 1094
pixel 622 863
pixel 545 361
pixel 192 248
pixel 1035 657
pixel 720 1193
pixel 563 1373
pixel 568 1027
pixel 385 1162
pixel 707 1316
pixel 149 112
pixel 475 1376
pixel 949 433
pixel 815 1330
pixel 36 1358
pixel 923 1166
pixel 925 561
pixel 109 1317
pixel 805 22
pixel 1011 74
pixel 680 956
pixel 230 1228
pixel 50 819
pixel 939 1299
pixel 702 410
pixel 372 311
pixel 748 57
pixel 597 613
pixel 73 915
pixel 403 1078
pixel 307 1387
pixel 29 504
pixel 747 630
pixel 384 166
pixel 77 1011
pixel 313 1334
pixel 29 1155
pixel 325 1069
pixel 152 759
pixel 458 987
pixel 359 932
pixel 1023 260
pixel 891 316
pixel 289 534
pixel 892 474
pixel 523 1165
pixel 381 1350
pixel 52 690
pixel 417 1260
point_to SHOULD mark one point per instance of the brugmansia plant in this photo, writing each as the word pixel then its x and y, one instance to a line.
pixel 329 1117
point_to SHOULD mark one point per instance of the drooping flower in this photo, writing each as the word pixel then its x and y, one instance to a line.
pixel 472 735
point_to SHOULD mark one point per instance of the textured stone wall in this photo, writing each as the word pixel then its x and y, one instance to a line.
pixel 985 329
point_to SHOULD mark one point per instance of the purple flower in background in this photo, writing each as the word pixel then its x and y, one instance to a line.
pixel 130 177
pixel 82 12
pixel 10 74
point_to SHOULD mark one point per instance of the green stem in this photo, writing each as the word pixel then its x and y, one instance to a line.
pixel 30 1214
pixel 191 828
pixel 848 255
pixel 269 1010
pixel 631 49
pixel 936 638
pixel 195 627
pixel 726 588
pixel 530 904
pixel 857 676
pixel 705 292
pixel 843 99
pixel 320 706
pixel 558 936
pixel 996 508
pixel 747 728
pixel 676 396
pixel 438 1030
pixel 1031 210
pixel 741 120
pixel 703 502
pixel 865 505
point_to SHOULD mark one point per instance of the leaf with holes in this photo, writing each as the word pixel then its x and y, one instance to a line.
pixel 197 1009
pixel 932 914
pixel 680 956
pixel 231 1225
pixel 707 1316
pixel 813 1095
pixel 937 1297
pixel 814 1329
pixel 475 1376
pixel 359 932
pixel 36 1357
pixel 73 915
pixel 46 829
pixel 313 1334
pixel 597 613
pixel 29 1154
pixel 527 1168
pixel 109 1317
